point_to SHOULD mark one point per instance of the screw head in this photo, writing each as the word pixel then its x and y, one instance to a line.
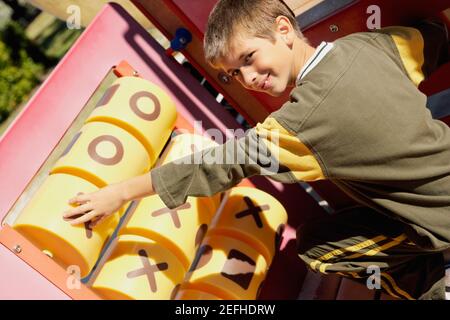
pixel 48 253
pixel 17 248
pixel 334 28
pixel 224 78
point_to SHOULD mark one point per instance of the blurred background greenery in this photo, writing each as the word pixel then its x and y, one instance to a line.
pixel 31 44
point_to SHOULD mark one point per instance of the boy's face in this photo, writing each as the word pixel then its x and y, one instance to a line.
pixel 261 64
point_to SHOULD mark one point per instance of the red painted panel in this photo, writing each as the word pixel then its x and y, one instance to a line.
pixel 194 11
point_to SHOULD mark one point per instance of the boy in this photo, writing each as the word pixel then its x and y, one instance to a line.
pixel 356 117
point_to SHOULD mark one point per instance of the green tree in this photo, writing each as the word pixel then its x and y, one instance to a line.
pixel 22 65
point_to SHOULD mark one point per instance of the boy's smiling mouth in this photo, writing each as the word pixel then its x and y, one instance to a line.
pixel 266 83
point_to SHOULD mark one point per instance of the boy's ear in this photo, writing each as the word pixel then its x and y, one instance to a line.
pixel 285 30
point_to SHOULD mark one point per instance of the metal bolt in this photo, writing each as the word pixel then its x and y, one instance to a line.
pixel 17 248
pixel 135 73
pixel 334 28
pixel 224 78
pixel 48 253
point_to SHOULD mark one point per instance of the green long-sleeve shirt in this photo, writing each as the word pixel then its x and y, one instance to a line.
pixel 356 119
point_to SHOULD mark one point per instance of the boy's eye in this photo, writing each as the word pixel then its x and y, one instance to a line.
pixel 248 57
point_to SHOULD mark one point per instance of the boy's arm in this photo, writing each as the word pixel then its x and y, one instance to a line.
pixel 268 149
pixel 421 49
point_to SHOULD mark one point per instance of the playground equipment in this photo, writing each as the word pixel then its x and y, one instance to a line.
pixel 116 109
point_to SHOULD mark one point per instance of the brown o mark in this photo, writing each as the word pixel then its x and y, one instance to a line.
pixel 148 270
pixel 253 211
pixel 146 116
pixel 200 234
pixel 279 236
pixel 203 256
pixel 106 98
pixel 69 147
pixel 239 268
pixel 173 213
pixel 92 150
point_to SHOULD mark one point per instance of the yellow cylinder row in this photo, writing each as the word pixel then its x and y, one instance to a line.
pixel 104 154
pixel 41 222
pixel 252 216
pixel 226 268
pixel 178 231
pixel 141 108
pixel 139 268
pixel 112 146
pixel 240 244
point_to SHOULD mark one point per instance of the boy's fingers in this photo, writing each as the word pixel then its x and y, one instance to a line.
pixel 77 211
pixel 80 198
pixel 85 218
pixel 97 221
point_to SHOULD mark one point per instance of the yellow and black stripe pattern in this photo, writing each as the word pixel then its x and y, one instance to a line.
pixel 290 152
pixel 352 261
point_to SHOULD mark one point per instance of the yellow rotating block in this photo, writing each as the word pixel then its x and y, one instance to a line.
pixel 180 230
pixel 42 223
pixel 103 154
pixel 227 268
pixel 139 268
pixel 187 294
pixel 253 216
pixel 141 108
pixel 184 145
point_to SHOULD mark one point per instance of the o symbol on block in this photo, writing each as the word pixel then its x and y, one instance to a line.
pixel 146 116
pixel 92 150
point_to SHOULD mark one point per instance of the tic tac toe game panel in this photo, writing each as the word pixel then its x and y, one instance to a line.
pixel 119 104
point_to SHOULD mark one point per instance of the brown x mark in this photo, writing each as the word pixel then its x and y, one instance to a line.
pixel 148 270
pixel 253 211
pixel 173 213
pixel 86 225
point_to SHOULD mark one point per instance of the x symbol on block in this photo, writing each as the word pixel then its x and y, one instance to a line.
pixel 148 270
pixel 173 213
pixel 86 225
pixel 253 210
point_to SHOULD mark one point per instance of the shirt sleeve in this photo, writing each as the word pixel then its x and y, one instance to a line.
pixel 267 149
pixel 422 48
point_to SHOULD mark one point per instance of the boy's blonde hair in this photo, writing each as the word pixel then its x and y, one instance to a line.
pixel 256 17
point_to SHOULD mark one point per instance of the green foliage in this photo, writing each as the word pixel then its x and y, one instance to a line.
pixel 21 67
pixel 56 39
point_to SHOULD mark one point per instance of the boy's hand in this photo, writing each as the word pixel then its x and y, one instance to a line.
pixel 96 206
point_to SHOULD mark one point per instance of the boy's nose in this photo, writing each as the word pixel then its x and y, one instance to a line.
pixel 249 78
